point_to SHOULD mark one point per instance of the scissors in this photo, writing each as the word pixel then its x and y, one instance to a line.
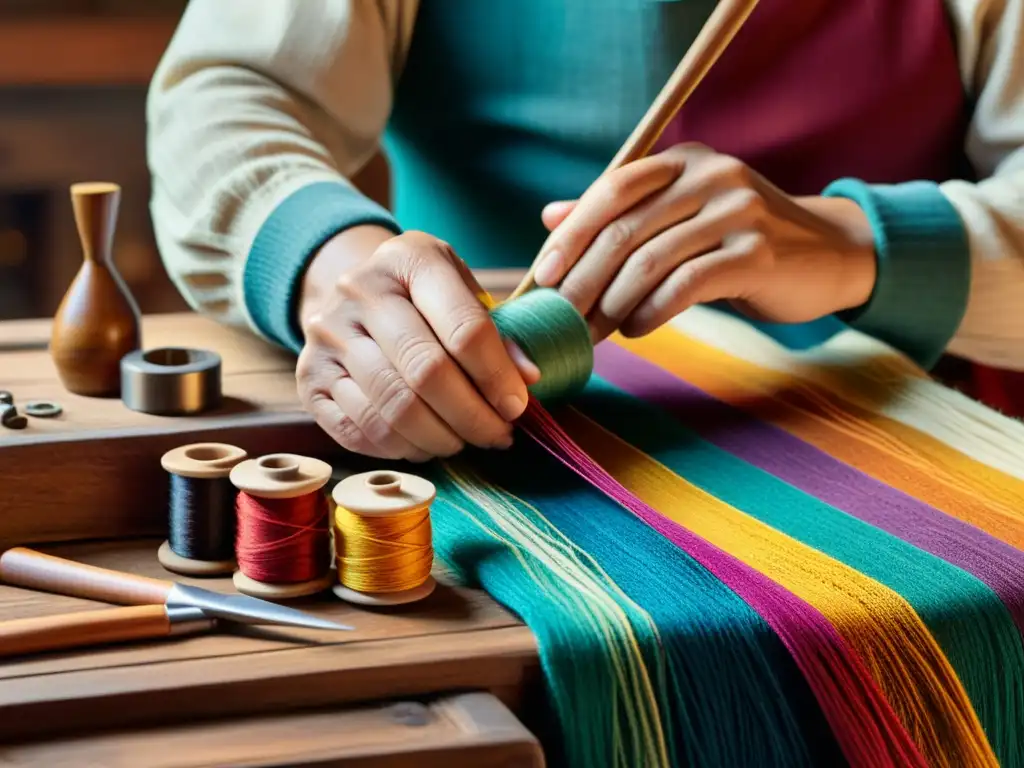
pixel 153 607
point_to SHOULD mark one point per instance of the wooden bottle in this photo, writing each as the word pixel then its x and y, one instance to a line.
pixel 98 321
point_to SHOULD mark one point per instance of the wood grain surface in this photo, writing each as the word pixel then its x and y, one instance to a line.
pixel 469 730
pixel 89 486
pixel 110 484
pixel 457 639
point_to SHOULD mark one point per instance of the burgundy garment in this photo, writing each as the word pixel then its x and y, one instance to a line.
pixel 814 90
pixel 1002 390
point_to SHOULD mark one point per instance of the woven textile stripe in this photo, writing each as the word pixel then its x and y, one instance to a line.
pixel 862 721
pixel 904 659
pixel 725 669
pixel 844 425
pixel 734 555
pixel 612 686
pixel 994 562
pixel 971 625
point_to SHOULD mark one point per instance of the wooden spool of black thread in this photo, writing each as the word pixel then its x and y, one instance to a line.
pixel 201 509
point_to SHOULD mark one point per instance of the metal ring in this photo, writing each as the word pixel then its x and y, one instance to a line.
pixel 171 381
pixel 43 409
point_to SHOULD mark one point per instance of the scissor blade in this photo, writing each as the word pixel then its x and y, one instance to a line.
pixel 246 609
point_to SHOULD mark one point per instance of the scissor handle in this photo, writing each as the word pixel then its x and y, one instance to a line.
pixel 27 568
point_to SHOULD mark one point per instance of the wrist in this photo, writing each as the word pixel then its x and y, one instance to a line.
pixel 343 252
pixel 854 239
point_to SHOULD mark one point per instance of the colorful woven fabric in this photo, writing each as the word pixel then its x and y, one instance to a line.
pixel 733 554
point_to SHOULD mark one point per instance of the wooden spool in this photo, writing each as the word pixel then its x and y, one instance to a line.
pixel 281 476
pixel 380 494
pixel 200 461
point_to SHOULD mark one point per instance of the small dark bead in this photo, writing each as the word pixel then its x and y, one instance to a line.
pixel 10 417
pixel 6 398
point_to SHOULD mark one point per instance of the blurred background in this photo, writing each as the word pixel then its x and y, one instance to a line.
pixel 73 80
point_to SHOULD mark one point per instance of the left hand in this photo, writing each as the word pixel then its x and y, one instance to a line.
pixel 690 226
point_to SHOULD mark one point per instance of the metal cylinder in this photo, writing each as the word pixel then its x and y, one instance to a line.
pixel 171 381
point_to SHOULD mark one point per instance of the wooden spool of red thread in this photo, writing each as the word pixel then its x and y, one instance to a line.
pixel 283 542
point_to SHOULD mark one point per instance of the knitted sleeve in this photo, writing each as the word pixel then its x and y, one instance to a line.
pixel 989 36
pixel 951 255
pixel 257 103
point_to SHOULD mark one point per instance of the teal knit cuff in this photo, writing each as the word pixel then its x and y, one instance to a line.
pixel 286 242
pixel 924 270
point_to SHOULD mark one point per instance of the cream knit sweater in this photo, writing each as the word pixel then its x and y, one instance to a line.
pixel 255 99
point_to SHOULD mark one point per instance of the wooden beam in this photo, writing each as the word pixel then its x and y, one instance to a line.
pixel 459 731
pixel 93 51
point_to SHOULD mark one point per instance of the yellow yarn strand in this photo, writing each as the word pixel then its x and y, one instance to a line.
pixel 905 660
pixel 383 553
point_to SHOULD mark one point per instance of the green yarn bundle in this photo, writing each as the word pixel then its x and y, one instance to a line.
pixel 555 336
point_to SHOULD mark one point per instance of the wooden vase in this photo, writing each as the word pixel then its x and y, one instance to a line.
pixel 98 321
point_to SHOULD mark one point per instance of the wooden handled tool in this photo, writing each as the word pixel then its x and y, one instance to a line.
pixel 86 628
pixel 27 568
pixel 718 31
pixel 34 570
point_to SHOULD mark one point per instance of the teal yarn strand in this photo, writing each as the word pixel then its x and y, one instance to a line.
pixel 555 336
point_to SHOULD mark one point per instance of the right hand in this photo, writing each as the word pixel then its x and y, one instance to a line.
pixel 402 360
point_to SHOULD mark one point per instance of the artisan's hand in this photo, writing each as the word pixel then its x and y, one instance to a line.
pixel 690 226
pixel 401 360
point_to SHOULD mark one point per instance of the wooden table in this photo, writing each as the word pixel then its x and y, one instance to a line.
pixel 89 486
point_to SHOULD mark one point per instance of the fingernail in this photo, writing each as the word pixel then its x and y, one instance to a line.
pixel 548 268
pixel 526 366
pixel 511 407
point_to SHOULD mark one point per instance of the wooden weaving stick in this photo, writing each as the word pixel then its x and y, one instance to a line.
pixel 715 36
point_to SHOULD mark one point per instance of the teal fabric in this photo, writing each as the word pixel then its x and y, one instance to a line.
pixel 924 265
pixel 507 105
pixel 296 229
pixel 728 691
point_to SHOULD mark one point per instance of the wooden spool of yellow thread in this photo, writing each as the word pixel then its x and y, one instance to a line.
pixel 382 538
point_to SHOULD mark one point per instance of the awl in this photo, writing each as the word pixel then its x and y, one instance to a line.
pixel 35 570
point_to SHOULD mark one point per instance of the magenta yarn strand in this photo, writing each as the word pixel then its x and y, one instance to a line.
pixel 865 726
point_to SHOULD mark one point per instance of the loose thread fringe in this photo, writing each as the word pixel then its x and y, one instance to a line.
pixel 935 560
pixel 619 725
pixel 864 723
pixel 843 431
pixel 868 374
pixel 905 661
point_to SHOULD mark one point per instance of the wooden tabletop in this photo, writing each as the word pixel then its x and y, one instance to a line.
pixel 457 639
pixel 94 474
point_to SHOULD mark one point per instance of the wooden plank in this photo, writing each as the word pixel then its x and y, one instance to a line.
pixel 470 730
pixel 457 639
pixel 450 609
pixel 95 474
pixel 110 482
pixel 82 51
